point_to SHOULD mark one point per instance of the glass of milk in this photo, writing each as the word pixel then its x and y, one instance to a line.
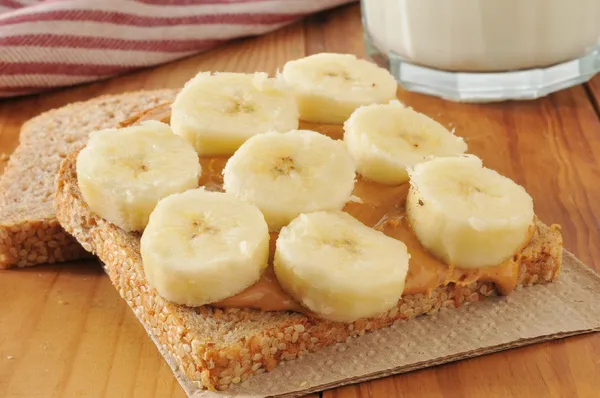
pixel 484 50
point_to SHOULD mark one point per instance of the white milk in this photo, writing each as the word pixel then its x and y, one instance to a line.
pixel 484 35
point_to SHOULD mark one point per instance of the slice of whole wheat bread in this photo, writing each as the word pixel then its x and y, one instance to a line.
pixel 29 232
pixel 216 347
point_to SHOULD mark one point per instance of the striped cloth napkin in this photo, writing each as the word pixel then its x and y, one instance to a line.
pixel 54 43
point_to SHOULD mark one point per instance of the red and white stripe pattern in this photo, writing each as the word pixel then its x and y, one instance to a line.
pixel 53 43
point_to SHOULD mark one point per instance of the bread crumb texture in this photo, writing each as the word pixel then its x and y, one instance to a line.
pixel 218 348
pixel 29 231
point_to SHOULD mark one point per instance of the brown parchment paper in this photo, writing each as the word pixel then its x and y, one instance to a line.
pixel 566 307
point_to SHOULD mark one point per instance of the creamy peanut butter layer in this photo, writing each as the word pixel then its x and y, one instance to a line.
pixel 379 206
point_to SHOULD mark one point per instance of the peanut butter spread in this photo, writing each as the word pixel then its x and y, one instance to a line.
pixel 379 206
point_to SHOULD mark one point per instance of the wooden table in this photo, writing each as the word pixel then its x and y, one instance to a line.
pixel 65 332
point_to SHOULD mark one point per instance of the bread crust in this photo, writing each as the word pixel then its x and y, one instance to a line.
pixel 29 231
pixel 216 347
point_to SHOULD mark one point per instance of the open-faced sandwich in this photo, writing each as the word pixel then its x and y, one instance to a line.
pixel 258 218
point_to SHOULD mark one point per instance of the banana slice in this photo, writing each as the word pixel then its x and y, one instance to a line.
pixel 385 139
pixel 467 215
pixel 217 112
pixel 329 87
pixel 291 173
pixel 339 268
pixel 201 247
pixel 123 173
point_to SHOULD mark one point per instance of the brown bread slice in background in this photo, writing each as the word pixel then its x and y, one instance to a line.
pixel 29 231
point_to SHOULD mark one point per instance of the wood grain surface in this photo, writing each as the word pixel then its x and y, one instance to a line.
pixel 64 331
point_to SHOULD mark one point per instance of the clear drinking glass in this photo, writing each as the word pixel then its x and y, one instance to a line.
pixel 484 50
